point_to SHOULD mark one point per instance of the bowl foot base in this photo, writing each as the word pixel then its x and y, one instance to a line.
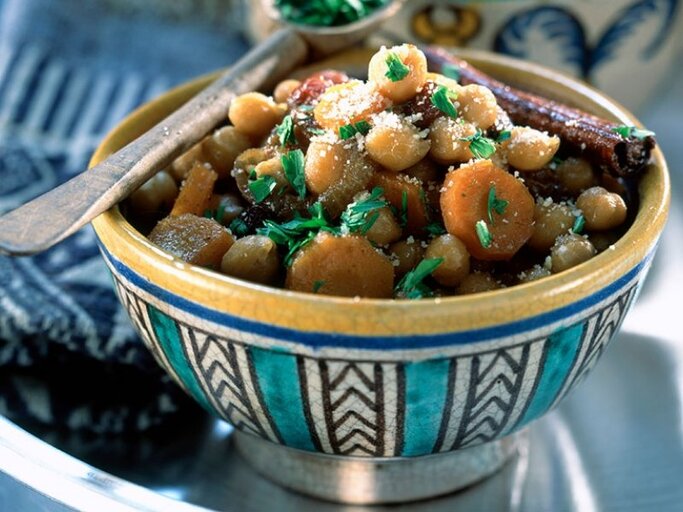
pixel 369 481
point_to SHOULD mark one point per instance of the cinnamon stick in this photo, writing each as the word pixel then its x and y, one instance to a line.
pixel 581 132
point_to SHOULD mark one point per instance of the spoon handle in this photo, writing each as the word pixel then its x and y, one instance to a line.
pixel 57 214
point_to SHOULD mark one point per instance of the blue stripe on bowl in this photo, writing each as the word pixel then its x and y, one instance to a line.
pixel 424 410
pixel 560 353
pixel 166 332
pixel 316 339
pixel 278 379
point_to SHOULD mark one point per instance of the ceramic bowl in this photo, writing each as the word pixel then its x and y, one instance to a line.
pixel 380 379
pixel 602 42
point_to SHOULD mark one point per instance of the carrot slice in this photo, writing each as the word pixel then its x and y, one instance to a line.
pixel 195 192
pixel 465 202
pixel 396 187
pixel 341 265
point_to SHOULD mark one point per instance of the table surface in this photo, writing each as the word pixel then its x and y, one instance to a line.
pixel 615 444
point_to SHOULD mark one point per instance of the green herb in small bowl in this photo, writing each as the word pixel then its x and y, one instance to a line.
pixel 327 13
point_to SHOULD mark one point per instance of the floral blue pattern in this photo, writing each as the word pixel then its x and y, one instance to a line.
pixel 560 28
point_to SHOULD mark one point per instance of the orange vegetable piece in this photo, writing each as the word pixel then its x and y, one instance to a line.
pixel 197 240
pixel 464 202
pixel 341 265
pixel 195 192
pixel 394 186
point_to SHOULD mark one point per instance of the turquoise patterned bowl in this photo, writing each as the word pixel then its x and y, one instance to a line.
pixel 380 380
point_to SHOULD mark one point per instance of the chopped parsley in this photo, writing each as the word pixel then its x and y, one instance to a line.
pixel 483 234
pixel 293 165
pixel 503 136
pixel 285 131
pixel 216 214
pixel 403 214
pixel 480 145
pixel 495 204
pixel 412 285
pixel 579 224
pixel 349 130
pixel 442 99
pixel 361 215
pixel 632 131
pixel 298 232
pixel 316 131
pixel 396 69
pixel 435 229
pixel 238 227
pixel 261 187
pixel 317 285
pixel 451 71
pixel 327 13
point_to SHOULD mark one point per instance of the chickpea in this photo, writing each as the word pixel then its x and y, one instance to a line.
pixel 602 210
pixel 425 171
pixel 347 103
pixel 222 147
pixel 250 158
pixel 533 274
pixel 456 260
pixel 395 144
pixel 284 90
pixel 576 175
pixel 156 194
pixel 252 258
pixel 229 205
pixel 406 255
pixel 440 79
pixel 603 240
pixel 406 88
pixel 478 105
pixel 182 165
pixel 273 167
pixel 550 221
pixel 570 250
pixel 528 149
pixel 385 229
pixel 254 114
pixel 447 148
pixel 324 165
pixel 478 282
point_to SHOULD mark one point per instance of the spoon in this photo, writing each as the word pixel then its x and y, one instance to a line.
pixel 73 204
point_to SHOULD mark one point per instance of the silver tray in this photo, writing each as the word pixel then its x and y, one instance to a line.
pixel 616 444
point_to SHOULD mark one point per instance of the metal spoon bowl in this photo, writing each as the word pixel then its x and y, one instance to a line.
pixel 28 229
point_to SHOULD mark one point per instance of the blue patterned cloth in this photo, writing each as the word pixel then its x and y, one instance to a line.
pixel 69 70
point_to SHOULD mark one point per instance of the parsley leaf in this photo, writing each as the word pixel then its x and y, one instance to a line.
pixel 480 145
pixel 403 214
pixel 495 204
pixel 483 234
pixel 411 286
pixel 285 131
pixel 261 187
pixel 293 165
pixel 579 223
pixel 503 136
pixel 451 71
pixel 356 219
pixel 317 285
pixel 349 130
pixel 435 229
pixel 396 69
pixel 442 99
pixel 632 131
pixel 238 227
pixel 298 232
pixel 216 214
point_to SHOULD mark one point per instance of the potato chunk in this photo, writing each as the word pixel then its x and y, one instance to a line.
pixel 346 265
pixel 193 239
